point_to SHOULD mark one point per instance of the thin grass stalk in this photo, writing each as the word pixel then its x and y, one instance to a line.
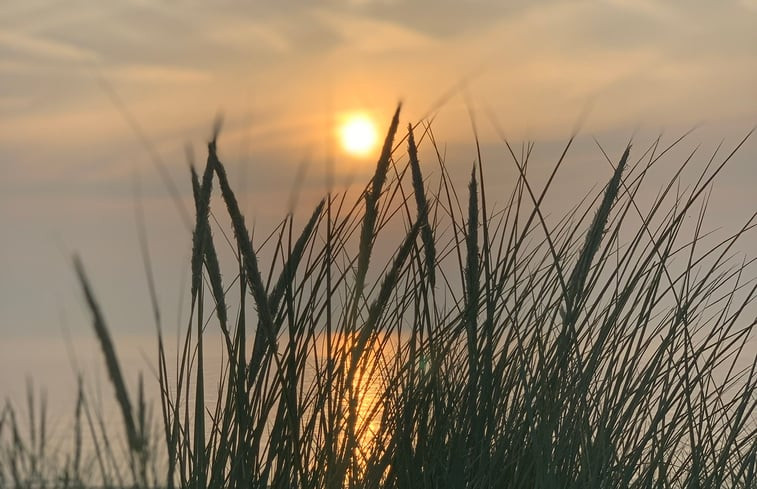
pixel 472 279
pixel 111 360
pixel 422 205
pixel 593 240
pixel 99 456
pixel 77 478
pixel 367 233
pixel 285 276
pixel 375 311
pixel 201 194
pixel 487 350
pixel 238 468
pixel 32 428
pixel 250 262
pixel 200 469
pixel 203 249
pixel 330 440
pixel 142 431
pixel 367 236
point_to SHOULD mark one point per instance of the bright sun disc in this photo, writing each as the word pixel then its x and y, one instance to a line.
pixel 358 135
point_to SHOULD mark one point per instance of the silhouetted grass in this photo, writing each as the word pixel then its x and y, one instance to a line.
pixel 494 349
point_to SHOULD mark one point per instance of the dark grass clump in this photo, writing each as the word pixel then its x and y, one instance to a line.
pixel 608 349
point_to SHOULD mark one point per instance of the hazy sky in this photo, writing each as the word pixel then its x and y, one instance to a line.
pixel 74 73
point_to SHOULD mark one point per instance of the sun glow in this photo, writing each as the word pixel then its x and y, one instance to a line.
pixel 358 135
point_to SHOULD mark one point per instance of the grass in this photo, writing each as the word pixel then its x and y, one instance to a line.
pixel 495 349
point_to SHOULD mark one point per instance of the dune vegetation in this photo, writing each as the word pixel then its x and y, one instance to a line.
pixel 498 347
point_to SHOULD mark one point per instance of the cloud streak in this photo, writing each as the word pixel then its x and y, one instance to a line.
pixel 24 45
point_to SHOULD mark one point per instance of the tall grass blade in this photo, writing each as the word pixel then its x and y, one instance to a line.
pixel 472 276
pixel 594 238
pixel 250 262
pixel 422 204
pixel 367 233
pixel 203 249
pixel 111 360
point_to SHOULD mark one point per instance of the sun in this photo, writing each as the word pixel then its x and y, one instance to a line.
pixel 358 135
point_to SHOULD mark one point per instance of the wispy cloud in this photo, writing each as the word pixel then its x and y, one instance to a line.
pixel 22 44
pixel 655 9
pixel 156 74
pixel 370 35
pixel 235 32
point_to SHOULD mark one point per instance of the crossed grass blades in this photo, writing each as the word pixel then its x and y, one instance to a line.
pixel 493 350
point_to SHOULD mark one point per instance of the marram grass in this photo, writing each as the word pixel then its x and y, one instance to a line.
pixel 494 349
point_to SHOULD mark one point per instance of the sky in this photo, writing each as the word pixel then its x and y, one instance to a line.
pixel 94 96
